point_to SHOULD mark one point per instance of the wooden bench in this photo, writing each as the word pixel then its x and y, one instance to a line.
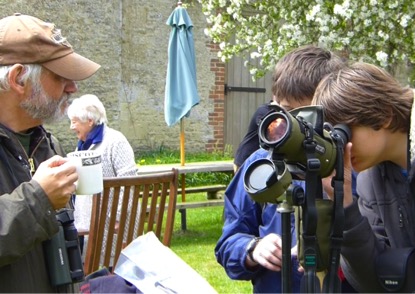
pixel 191 168
pixel 182 206
pixel 212 200
pixel 208 203
pixel 212 190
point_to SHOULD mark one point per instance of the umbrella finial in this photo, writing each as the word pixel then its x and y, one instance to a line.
pixel 179 3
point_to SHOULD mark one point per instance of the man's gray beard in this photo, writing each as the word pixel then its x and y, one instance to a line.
pixel 42 106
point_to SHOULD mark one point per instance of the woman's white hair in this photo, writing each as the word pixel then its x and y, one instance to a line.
pixel 88 107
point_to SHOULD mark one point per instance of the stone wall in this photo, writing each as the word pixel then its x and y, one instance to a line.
pixel 129 38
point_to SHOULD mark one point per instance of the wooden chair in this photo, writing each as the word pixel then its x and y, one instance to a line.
pixel 127 208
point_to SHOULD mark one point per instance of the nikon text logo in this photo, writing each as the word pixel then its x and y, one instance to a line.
pixel 61 256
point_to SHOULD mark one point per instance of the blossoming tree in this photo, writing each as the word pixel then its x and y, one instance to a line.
pixel 376 31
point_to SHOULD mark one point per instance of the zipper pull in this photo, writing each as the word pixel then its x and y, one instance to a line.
pixel 32 166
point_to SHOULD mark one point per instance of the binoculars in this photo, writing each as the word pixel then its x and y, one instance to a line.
pixel 62 252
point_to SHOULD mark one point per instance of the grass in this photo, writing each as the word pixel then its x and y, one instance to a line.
pixel 164 156
pixel 204 225
pixel 196 246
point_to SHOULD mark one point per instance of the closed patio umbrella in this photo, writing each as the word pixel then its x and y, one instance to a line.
pixel 181 84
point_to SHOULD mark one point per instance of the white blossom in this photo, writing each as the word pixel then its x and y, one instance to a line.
pixel 222 3
pixel 367 22
pixel 382 57
pixel 338 9
pixel 360 27
pixel 383 35
pixel 393 5
pixel 255 55
pixel 404 20
pixel 313 12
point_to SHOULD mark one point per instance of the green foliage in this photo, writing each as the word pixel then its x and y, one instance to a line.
pixel 159 157
pixel 205 179
pixel 163 156
pixel 376 31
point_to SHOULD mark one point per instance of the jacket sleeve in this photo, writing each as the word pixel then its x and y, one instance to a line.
pixel 26 218
pixel 242 221
pixel 361 243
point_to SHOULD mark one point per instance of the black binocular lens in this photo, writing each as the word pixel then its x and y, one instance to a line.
pixel 276 130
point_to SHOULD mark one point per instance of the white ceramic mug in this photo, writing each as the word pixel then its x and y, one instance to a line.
pixel 89 169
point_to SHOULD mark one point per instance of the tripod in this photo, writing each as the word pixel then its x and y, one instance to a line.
pixel 285 208
pixel 295 148
pixel 313 258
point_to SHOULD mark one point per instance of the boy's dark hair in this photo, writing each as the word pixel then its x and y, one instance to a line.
pixel 297 74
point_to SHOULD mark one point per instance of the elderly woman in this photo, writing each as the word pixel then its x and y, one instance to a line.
pixel 89 122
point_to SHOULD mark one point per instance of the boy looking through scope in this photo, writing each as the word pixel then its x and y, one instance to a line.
pixel 250 245
pixel 304 150
pixel 380 222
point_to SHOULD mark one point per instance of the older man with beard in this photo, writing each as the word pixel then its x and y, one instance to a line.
pixel 38 70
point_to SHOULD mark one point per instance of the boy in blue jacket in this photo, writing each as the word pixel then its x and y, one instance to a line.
pixel 250 245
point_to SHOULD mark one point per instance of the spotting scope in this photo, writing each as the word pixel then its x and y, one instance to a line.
pixel 297 141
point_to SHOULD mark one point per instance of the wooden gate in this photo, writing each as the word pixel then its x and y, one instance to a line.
pixel 242 98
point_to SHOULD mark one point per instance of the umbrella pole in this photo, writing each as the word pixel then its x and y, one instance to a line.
pixel 182 158
pixel 183 176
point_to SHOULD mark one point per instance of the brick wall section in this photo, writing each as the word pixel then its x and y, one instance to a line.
pixel 217 95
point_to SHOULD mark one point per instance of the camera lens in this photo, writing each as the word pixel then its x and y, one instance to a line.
pixel 276 130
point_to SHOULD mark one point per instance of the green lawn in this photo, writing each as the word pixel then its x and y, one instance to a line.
pixel 196 246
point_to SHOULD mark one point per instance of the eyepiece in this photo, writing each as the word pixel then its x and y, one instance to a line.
pixel 343 132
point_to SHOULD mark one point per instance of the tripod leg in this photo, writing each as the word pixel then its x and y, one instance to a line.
pixel 285 209
pixel 286 253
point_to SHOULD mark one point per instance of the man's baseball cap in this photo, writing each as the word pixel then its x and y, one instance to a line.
pixel 26 39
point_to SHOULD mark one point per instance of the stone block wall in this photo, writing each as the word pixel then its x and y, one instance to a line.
pixel 129 39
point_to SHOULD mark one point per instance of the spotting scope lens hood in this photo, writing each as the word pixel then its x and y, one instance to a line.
pixel 266 181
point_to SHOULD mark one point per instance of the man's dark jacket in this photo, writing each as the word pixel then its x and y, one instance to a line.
pixel 27 217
